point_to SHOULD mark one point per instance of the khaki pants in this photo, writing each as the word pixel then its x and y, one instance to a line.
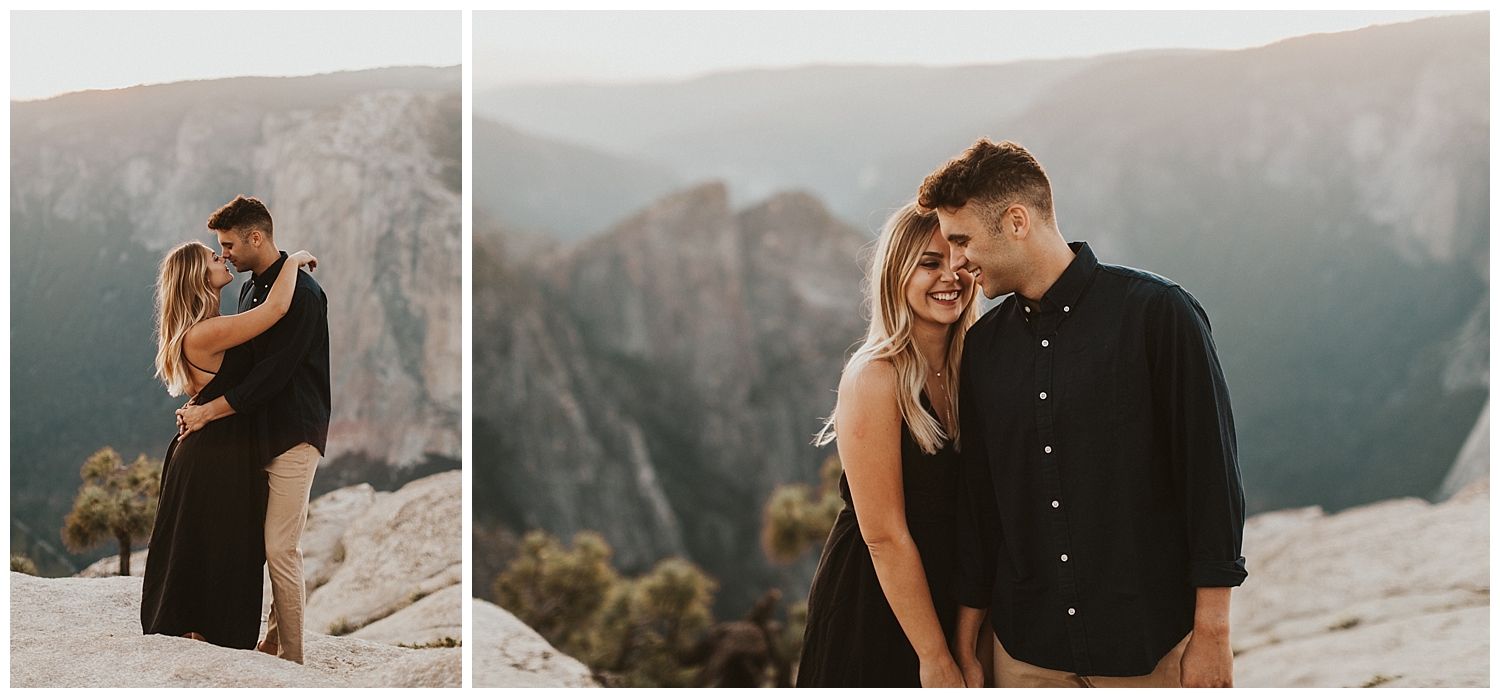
pixel 1014 673
pixel 291 475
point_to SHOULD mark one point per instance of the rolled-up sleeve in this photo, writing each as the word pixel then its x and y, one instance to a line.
pixel 291 338
pixel 977 518
pixel 1196 421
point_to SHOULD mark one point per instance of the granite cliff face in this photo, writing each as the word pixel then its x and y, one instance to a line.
pixel 361 168
pixel 1324 197
pixel 656 382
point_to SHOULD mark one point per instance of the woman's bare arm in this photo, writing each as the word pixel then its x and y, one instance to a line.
pixel 869 440
pixel 218 334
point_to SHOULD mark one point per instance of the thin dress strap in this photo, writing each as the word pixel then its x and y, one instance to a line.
pixel 190 363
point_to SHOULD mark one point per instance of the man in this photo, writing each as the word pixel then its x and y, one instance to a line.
pixel 1103 513
pixel 288 391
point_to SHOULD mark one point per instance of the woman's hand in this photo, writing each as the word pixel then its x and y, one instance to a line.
pixel 303 258
pixel 941 673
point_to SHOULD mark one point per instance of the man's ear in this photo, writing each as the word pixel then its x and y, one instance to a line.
pixel 1017 222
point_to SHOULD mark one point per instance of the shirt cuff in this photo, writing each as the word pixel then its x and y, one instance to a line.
pixel 1217 573
pixel 970 594
pixel 232 398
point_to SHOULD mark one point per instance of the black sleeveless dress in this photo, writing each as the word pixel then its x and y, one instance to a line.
pixel 203 574
pixel 852 636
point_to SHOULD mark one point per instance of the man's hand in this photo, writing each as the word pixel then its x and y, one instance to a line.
pixel 1208 661
pixel 965 639
pixel 191 417
pixel 972 670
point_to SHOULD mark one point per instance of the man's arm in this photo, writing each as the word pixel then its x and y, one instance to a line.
pixel 1208 660
pixel 965 639
pixel 290 339
pixel 192 417
pixel 976 525
pixel 1189 384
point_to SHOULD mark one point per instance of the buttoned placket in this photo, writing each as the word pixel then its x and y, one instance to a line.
pixel 1045 321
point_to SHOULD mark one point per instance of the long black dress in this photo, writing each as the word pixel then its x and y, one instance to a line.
pixel 853 637
pixel 203 574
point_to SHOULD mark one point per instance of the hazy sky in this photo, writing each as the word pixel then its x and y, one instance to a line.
pixel 56 52
pixel 532 47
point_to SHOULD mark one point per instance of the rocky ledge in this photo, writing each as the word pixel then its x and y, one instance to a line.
pixel 87 633
pixel 1395 593
pixel 509 654
pixel 383 572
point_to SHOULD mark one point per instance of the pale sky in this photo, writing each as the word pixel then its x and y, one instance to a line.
pixel 613 47
pixel 56 52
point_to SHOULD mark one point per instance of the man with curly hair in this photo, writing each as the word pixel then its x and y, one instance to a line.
pixel 289 393
pixel 1102 513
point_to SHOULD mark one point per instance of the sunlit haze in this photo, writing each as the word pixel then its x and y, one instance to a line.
pixel 606 47
pixel 56 52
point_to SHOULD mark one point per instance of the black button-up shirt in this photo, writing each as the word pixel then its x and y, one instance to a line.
pixel 288 390
pixel 1100 479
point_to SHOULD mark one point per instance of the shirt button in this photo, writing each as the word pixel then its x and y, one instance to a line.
pixel 1065 308
pixel 1044 396
pixel 1065 557
pixel 1072 611
pixel 1044 342
pixel 1048 449
pixel 1056 504
pixel 1026 308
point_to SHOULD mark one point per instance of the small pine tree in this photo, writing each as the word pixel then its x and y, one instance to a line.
pixel 633 632
pixel 652 622
pixel 22 564
pixel 795 521
pixel 115 501
pixel 558 592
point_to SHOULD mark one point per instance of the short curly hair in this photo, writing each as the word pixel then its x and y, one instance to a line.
pixel 993 176
pixel 241 216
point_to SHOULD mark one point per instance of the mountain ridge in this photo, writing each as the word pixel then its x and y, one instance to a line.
pixel 361 168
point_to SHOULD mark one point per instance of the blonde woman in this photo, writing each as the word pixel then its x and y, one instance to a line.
pixel 203 576
pixel 880 612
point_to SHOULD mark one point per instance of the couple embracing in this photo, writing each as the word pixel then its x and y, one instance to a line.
pixel 235 480
pixel 1047 495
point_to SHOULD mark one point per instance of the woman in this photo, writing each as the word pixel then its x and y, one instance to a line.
pixel 203 576
pixel 880 611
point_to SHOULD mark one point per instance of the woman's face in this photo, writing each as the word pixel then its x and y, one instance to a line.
pixel 937 292
pixel 219 275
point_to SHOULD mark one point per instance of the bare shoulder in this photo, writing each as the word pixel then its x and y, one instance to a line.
pixel 869 377
pixel 199 338
pixel 869 388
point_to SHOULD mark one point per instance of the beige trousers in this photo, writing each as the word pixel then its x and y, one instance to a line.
pixel 1014 673
pixel 291 476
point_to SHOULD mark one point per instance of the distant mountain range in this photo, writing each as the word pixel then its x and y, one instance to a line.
pixel 1326 198
pixel 656 383
pixel 563 191
pixel 362 168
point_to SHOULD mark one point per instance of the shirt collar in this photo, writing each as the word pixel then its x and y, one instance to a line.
pixel 1065 291
pixel 265 279
pixel 1067 288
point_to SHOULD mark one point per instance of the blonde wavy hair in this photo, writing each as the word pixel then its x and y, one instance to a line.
pixel 903 239
pixel 184 298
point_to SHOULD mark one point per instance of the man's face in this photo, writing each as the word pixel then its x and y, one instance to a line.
pixel 986 254
pixel 242 253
